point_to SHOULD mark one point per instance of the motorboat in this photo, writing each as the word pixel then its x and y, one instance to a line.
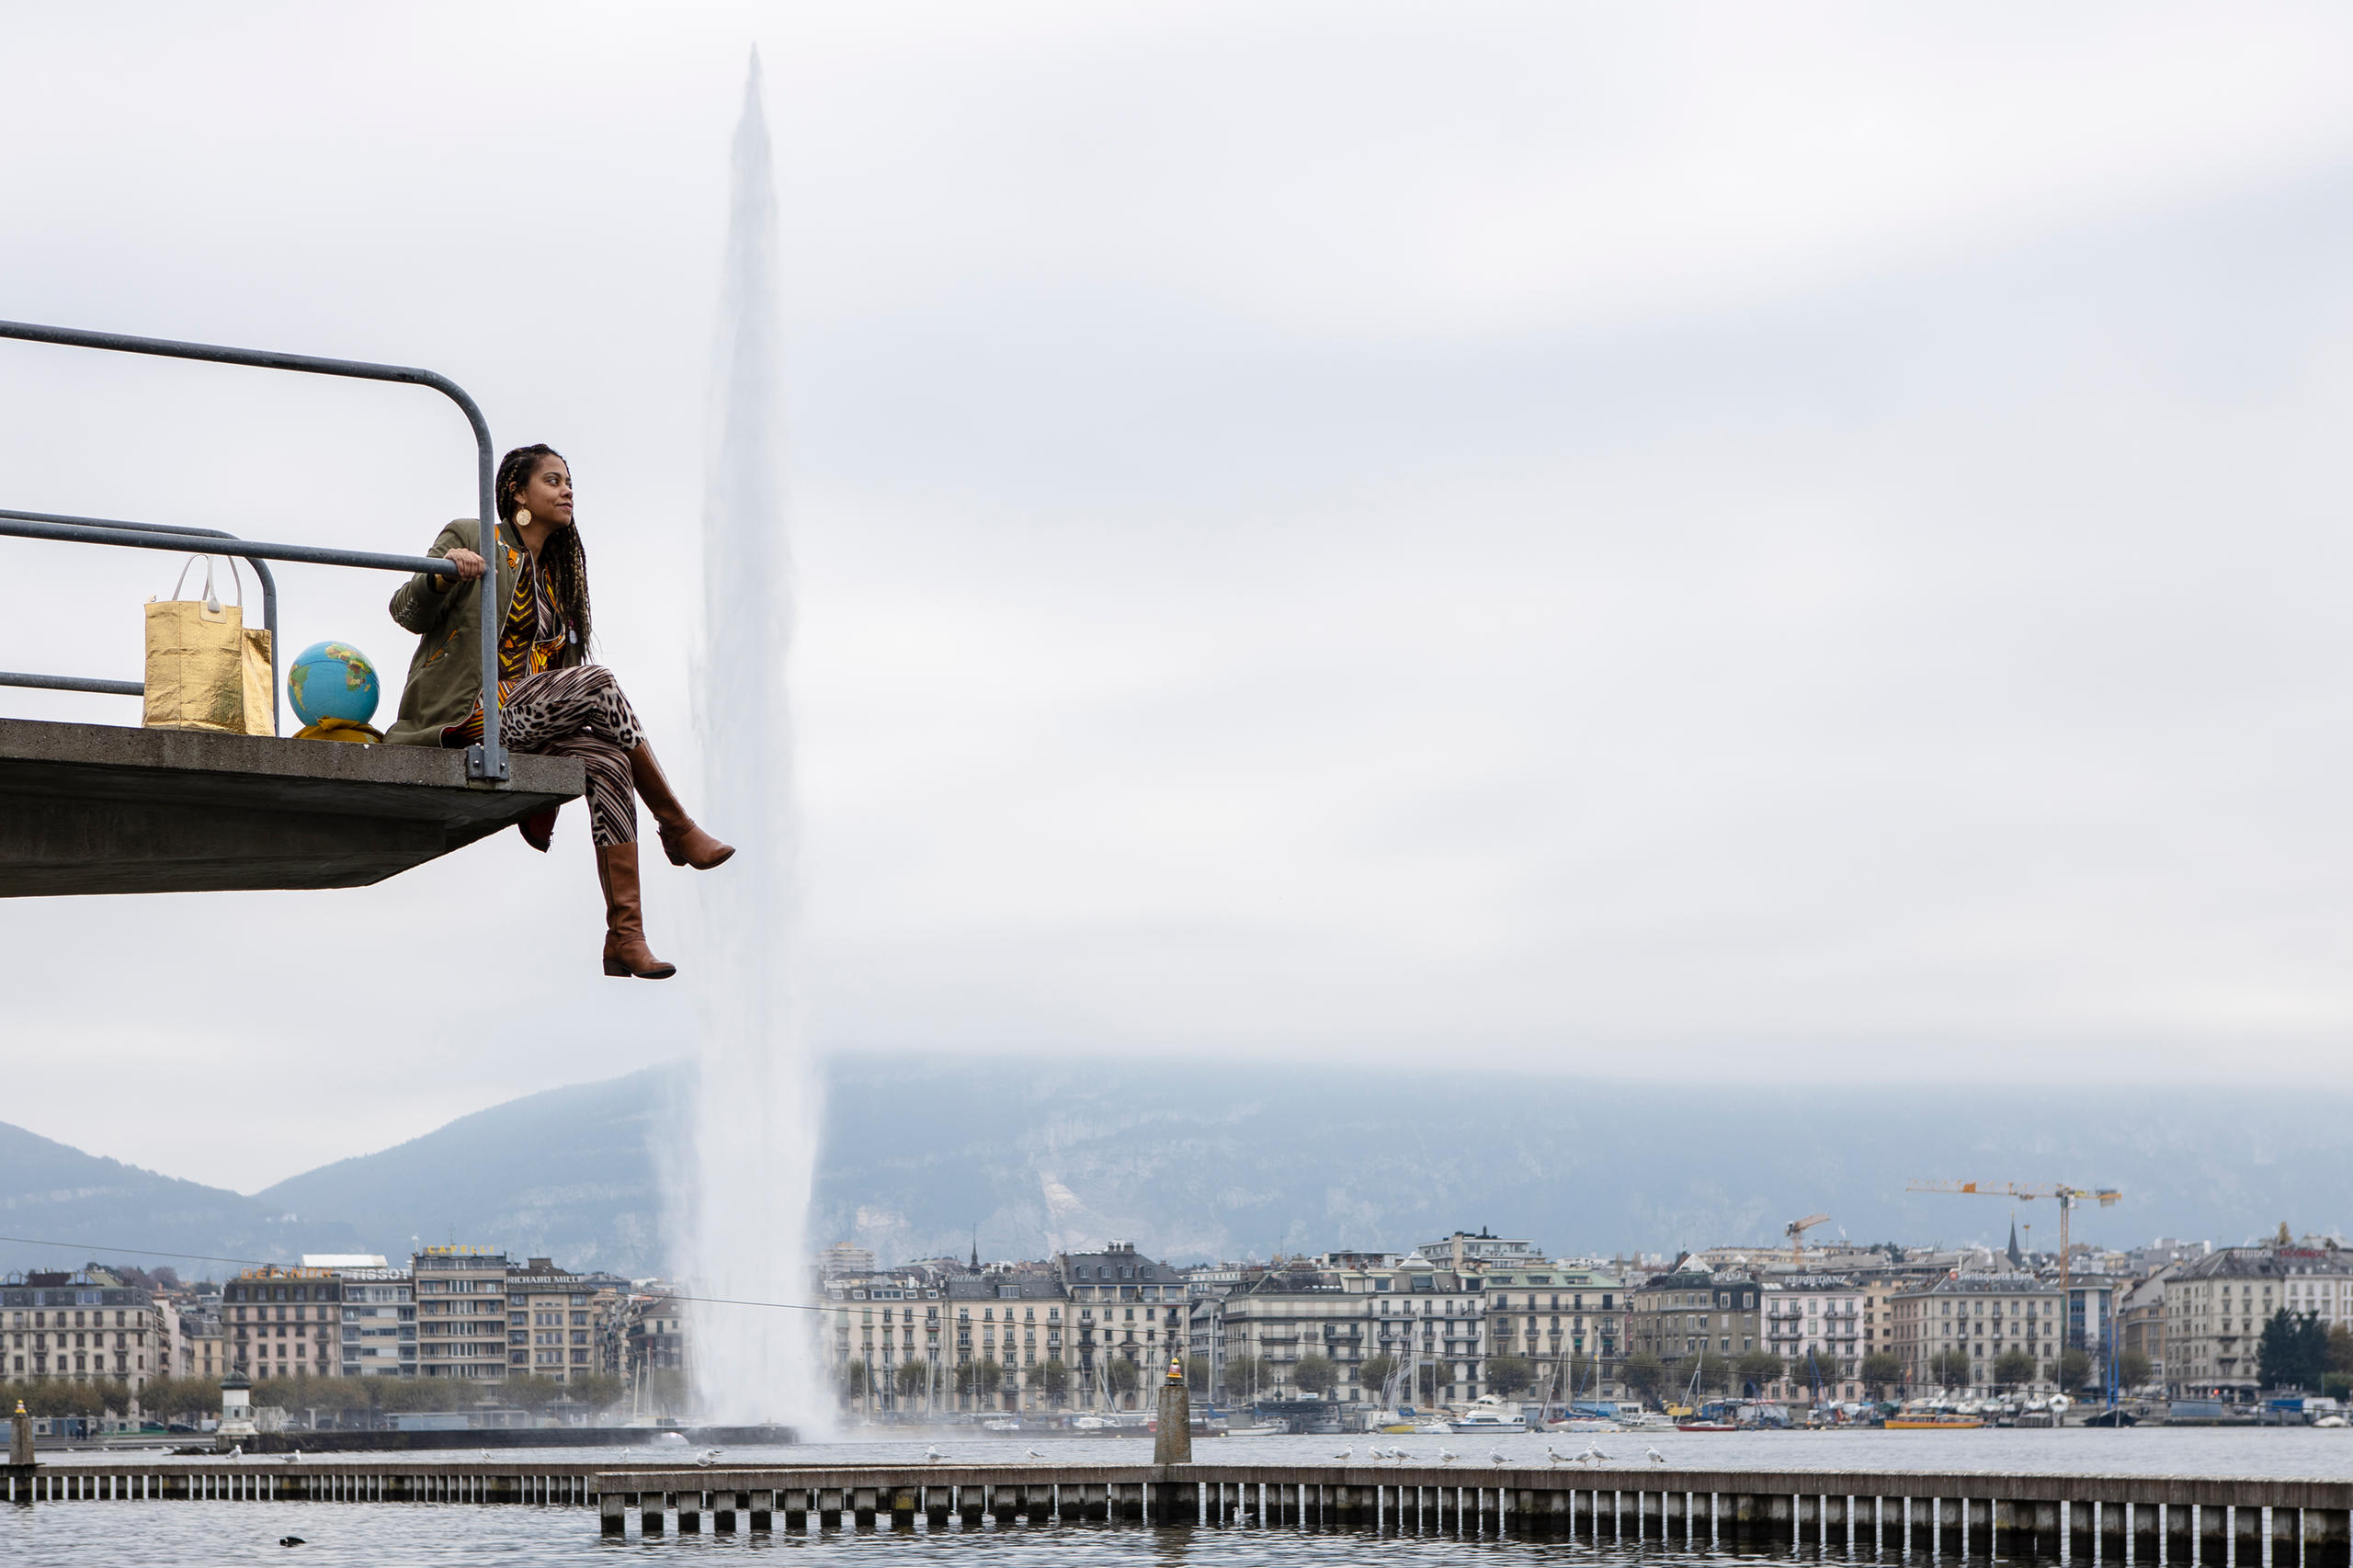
pixel 1489 1421
pixel 1935 1422
pixel 1698 1423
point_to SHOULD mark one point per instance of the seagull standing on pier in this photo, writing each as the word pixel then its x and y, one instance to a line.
pixel 1399 1455
pixel 1036 1455
pixel 1555 1456
pixel 1344 1453
pixel 932 1456
pixel 1447 1455
pixel 1497 1455
pixel 1592 1454
pixel 1655 1456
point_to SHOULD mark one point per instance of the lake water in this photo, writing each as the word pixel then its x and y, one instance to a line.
pixel 82 1534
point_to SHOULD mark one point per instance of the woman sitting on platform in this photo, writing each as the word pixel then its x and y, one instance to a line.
pixel 550 700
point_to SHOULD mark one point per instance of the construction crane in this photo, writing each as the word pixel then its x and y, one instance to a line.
pixel 2068 1198
pixel 1795 1230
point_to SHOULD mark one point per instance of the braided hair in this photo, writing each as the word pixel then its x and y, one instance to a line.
pixel 563 561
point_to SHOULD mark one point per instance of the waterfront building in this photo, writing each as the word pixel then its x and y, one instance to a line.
pixel 885 1321
pixel 1568 1320
pixel 284 1323
pixel 550 1327
pixel 654 1336
pixel 378 1325
pixel 1124 1306
pixel 1814 1323
pixel 1689 1310
pixel 1981 1316
pixel 2140 1319
pixel 461 1325
pixel 2215 1307
pixel 82 1327
pixel 1011 1318
pixel 1423 1320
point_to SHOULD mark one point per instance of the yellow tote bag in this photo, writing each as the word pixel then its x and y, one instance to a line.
pixel 205 671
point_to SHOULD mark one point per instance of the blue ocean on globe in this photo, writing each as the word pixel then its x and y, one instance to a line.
pixel 331 680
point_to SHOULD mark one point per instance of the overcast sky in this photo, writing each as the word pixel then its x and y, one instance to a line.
pixel 1775 542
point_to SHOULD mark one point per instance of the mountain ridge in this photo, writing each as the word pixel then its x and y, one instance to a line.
pixel 922 1153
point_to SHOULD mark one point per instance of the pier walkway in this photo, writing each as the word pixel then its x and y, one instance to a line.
pixel 2118 1519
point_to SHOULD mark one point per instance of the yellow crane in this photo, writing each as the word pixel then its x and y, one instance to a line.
pixel 2068 1198
pixel 1796 1229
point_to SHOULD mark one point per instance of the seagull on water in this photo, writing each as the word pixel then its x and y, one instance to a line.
pixel 1447 1455
pixel 1655 1456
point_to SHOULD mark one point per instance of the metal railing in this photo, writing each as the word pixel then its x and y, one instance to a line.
pixel 188 537
pixel 485 761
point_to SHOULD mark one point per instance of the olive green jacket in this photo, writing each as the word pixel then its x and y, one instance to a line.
pixel 445 675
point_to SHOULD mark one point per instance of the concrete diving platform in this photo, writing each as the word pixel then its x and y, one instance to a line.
pixel 104 809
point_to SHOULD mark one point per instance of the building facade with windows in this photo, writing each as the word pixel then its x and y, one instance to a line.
pixel 1814 1323
pixel 1983 1316
pixel 551 1327
pixel 1689 1312
pixel 462 1323
pixel 1567 1320
pixel 2215 1308
pixel 378 1325
pixel 81 1327
pixel 1125 1307
pixel 284 1323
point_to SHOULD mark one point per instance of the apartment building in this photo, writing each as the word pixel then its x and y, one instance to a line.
pixel 1687 1311
pixel 2215 1307
pixel 461 1320
pixel 549 1322
pixel 379 1321
pixel 82 1326
pixel 1121 1305
pixel 885 1320
pixel 1982 1315
pixel 284 1323
pixel 1814 1323
pixel 1014 1319
pixel 1350 1309
pixel 1568 1319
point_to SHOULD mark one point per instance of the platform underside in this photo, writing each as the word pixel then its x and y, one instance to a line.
pixel 102 809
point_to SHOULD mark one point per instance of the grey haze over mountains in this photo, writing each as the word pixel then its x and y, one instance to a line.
pixel 1233 1159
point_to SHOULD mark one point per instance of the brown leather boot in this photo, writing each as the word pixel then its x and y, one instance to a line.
pixel 538 829
pixel 625 950
pixel 686 843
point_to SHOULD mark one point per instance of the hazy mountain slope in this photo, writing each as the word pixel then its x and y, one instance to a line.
pixel 1233 1159
pixel 567 1173
pixel 49 1191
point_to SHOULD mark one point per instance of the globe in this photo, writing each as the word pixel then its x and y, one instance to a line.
pixel 331 680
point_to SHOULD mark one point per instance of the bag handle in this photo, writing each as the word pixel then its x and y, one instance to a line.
pixel 211 598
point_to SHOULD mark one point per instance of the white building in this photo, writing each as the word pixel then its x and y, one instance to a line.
pixel 1814 1323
